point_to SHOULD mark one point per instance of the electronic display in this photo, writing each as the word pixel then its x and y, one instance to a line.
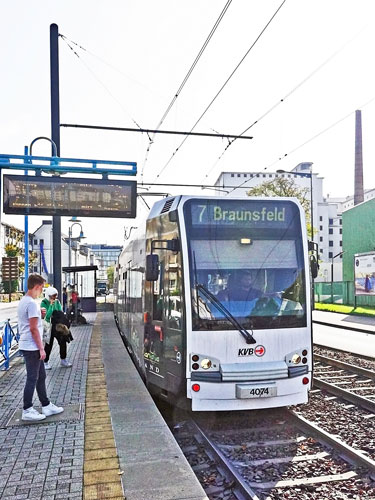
pixel 243 213
pixel 37 195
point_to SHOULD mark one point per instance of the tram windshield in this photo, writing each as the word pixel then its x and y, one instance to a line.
pixel 249 255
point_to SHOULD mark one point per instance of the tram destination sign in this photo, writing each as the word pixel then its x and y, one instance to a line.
pixel 246 213
pixel 36 195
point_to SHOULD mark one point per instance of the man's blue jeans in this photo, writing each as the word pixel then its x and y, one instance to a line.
pixel 35 379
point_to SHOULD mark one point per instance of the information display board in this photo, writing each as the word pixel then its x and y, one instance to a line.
pixel 37 195
pixel 364 273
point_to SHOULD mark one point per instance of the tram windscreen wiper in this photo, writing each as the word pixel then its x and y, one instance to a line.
pixel 247 335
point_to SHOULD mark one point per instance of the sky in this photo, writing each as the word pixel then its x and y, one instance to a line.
pixel 302 81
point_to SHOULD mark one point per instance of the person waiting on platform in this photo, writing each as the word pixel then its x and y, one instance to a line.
pixel 30 328
pixel 50 304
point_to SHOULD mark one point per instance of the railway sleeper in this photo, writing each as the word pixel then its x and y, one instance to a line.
pixel 301 458
pixel 303 481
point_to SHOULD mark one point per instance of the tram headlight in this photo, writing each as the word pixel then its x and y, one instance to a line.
pixel 296 358
pixel 206 363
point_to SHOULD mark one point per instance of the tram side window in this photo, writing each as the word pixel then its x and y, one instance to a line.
pixel 158 295
pixel 174 309
pixel 134 291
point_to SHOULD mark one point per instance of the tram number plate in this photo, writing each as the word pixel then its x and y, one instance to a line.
pixel 247 391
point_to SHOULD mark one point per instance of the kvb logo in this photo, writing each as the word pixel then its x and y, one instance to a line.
pixel 249 351
pixel 260 350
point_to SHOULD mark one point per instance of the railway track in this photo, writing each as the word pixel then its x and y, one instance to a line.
pixel 273 455
pixel 350 382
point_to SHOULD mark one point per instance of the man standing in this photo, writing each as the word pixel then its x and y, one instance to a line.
pixel 31 346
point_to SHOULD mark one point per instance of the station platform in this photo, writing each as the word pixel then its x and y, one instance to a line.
pixel 355 334
pixel 365 324
pixel 109 443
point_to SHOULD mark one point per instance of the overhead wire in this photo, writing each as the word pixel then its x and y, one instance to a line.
pixel 282 100
pixel 318 134
pixel 106 63
pixel 69 42
pixel 306 142
pixel 222 87
pixel 184 81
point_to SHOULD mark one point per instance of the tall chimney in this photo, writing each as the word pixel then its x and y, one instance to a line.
pixel 358 172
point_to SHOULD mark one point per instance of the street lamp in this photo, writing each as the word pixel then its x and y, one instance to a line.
pixel 334 257
pixel 78 238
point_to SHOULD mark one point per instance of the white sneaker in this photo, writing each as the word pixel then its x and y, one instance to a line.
pixel 51 409
pixel 47 366
pixel 65 363
pixel 31 415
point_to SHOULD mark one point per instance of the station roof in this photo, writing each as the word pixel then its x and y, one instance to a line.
pixel 79 269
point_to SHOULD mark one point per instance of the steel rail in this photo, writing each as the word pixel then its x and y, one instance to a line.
pixel 346 451
pixel 345 366
pixel 240 484
pixel 361 401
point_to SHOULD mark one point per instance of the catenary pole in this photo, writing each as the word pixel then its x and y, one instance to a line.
pixel 55 135
pixel 26 241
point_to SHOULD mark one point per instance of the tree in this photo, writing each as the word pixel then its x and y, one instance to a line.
pixel 110 276
pixel 280 186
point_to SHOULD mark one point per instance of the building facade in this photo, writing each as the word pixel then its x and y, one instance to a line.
pixel 359 234
pixel 106 255
pixel 73 253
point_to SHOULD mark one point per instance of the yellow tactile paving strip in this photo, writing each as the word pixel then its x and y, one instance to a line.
pixel 101 478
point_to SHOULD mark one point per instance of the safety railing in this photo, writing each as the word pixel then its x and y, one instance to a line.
pixel 9 343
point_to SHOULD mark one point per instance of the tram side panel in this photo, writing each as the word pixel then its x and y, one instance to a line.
pixel 164 332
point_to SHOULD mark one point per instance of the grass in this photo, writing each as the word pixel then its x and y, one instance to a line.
pixel 344 309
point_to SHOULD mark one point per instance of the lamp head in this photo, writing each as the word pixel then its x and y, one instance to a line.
pixel 74 219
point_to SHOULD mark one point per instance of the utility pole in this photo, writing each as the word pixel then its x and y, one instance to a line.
pixel 55 136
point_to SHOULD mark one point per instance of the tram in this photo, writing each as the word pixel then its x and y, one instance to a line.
pixel 213 302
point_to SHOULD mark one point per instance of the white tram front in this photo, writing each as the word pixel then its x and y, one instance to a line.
pixel 213 300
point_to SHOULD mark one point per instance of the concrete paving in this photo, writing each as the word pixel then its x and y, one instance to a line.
pixel 46 460
pixel 360 323
pixel 154 466
pixel 351 333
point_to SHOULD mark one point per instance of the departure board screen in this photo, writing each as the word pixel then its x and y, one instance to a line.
pixel 37 195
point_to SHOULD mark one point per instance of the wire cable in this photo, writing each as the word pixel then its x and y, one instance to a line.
pixel 66 40
pixel 294 89
pixel 200 53
pixel 184 81
pixel 307 141
pixel 106 63
pixel 222 87
pixel 318 135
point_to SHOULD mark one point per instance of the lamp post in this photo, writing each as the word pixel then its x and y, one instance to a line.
pixel 80 237
pixel 75 222
pixel 334 257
